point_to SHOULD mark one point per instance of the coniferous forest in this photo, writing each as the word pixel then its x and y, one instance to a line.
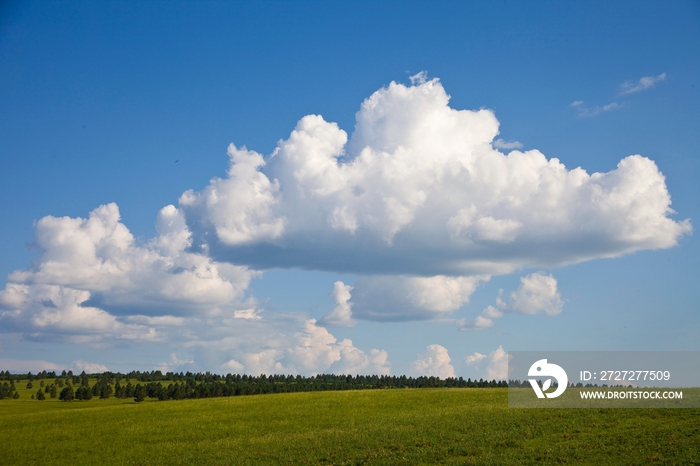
pixel 178 386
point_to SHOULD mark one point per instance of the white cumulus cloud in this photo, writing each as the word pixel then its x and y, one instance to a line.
pixel 100 256
pixel 233 366
pixel 317 351
pixel 418 202
pixel 93 281
pixel 537 293
pixel 433 362
pixel 496 363
pixel 474 358
pixel 341 315
pixel 420 190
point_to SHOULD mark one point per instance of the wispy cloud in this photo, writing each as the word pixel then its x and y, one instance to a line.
pixel 644 83
pixel 594 111
pixel 629 87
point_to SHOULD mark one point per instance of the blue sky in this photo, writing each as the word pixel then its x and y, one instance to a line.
pixel 445 243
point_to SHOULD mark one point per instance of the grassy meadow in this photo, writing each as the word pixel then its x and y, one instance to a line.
pixel 399 426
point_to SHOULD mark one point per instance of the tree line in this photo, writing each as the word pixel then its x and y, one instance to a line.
pixel 177 386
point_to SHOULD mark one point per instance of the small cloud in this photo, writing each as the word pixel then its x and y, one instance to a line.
pixel 474 359
pixel 496 364
pixel 341 315
pixel 611 106
pixel 164 321
pixel 434 362
pixel 482 321
pixel 501 144
pixel 419 78
pixel 536 294
pixel 644 83
pixel 250 314
pixel 175 362
pixel 594 111
pixel 234 366
pixel 88 367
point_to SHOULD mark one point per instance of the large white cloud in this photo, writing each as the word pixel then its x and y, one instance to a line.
pixel 420 190
pixel 93 283
pixel 100 257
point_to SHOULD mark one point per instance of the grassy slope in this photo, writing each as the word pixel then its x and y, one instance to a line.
pixel 451 426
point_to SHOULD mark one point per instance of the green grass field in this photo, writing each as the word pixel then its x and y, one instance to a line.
pixel 402 426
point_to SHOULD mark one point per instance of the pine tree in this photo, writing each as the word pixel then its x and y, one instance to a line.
pixel 105 391
pixel 139 393
pixel 67 394
pixel 83 393
pixel 40 395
